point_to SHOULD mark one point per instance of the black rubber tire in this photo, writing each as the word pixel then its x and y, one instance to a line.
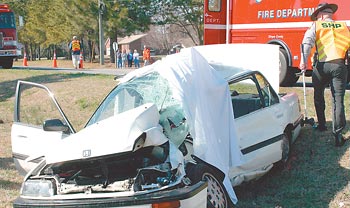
pixel 293 78
pixel 287 75
pixel 283 66
pixel 217 196
pixel 286 147
pixel 286 150
pixel 8 63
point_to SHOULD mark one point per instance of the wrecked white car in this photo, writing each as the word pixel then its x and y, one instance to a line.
pixel 179 133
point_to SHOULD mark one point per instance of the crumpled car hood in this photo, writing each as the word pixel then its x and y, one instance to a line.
pixel 114 135
pixel 132 157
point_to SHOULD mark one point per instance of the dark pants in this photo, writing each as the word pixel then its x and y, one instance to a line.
pixel 333 73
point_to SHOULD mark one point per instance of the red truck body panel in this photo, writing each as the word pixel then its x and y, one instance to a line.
pixel 8 37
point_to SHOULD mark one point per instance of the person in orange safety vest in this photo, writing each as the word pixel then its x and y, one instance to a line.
pixel 75 48
pixel 332 41
pixel 146 56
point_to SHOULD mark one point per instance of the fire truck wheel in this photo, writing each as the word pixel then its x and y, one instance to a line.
pixel 283 67
pixel 7 64
pixel 287 74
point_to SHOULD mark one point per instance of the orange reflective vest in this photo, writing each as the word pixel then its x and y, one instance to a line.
pixel 146 54
pixel 75 45
pixel 332 40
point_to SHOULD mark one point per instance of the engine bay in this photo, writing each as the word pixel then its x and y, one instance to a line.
pixel 145 169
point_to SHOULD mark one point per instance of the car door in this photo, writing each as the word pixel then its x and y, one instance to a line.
pixel 39 123
pixel 259 121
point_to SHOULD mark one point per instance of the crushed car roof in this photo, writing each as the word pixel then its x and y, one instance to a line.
pixel 203 90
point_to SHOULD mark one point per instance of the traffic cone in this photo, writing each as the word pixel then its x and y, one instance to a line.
pixel 81 61
pixel 25 61
pixel 54 60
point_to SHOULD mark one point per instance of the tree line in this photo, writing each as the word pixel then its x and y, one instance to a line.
pixel 50 25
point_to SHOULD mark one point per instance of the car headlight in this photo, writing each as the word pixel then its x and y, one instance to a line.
pixel 139 142
pixel 38 188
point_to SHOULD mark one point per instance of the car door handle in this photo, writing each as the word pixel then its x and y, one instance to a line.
pixel 279 115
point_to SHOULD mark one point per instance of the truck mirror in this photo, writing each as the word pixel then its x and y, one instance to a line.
pixel 20 21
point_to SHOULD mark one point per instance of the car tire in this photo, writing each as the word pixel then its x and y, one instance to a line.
pixel 286 150
pixel 217 195
pixel 286 145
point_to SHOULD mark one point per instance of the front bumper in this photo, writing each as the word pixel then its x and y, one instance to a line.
pixel 187 195
pixel 9 53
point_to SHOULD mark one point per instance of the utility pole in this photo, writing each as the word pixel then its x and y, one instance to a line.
pixel 101 9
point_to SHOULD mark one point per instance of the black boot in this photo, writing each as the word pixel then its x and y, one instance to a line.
pixel 339 140
pixel 320 127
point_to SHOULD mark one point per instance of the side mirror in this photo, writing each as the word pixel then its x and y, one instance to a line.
pixel 20 21
pixel 55 125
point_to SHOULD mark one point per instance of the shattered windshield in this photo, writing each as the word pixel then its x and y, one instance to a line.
pixel 151 88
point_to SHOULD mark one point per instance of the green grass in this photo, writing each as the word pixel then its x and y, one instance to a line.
pixel 317 174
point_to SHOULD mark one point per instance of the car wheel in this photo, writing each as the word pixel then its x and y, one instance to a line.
pixel 286 146
pixel 217 196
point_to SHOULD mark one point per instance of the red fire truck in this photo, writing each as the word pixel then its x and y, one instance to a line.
pixel 8 37
pixel 280 22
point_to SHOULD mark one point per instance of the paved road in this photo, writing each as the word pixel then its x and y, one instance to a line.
pixel 122 72
pixel 308 83
pixel 116 72
pixel 299 83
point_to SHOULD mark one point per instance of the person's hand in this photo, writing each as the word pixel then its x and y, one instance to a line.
pixel 302 66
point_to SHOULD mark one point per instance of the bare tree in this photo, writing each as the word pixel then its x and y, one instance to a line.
pixel 187 15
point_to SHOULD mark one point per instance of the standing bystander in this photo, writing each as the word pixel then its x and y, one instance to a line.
pixel 124 58
pixel 136 58
pixel 119 59
pixel 130 58
pixel 332 40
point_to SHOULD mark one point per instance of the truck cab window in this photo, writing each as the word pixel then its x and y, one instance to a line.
pixel 7 20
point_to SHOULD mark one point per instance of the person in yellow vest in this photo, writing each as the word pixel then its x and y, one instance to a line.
pixel 75 48
pixel 332 41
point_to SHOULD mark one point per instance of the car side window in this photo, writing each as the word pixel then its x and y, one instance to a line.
pixel 245 96
pixel 36 106
pixel 268 94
